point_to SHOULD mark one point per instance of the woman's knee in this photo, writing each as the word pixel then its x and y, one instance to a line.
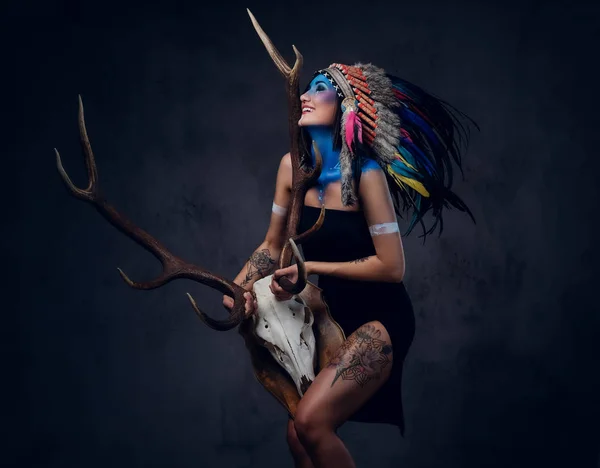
pixel 309 427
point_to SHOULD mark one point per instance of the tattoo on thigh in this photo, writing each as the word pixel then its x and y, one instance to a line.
pixel 260 263
pixel 361 357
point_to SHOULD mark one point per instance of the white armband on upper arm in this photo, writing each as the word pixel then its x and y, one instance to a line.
pixel 279 210
pixel 383 228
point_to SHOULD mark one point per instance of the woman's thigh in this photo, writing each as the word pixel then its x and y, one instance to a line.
pixel 360 367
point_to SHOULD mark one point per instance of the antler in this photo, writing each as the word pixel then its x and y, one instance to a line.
pixel 301 180
pixel 173 267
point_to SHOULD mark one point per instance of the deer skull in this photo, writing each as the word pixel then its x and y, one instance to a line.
pixel 285 329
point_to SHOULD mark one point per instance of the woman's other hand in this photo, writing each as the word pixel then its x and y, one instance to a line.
pixel 250 307
pixel 292 274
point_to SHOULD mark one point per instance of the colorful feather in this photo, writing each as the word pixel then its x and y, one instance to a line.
pixel 431 138
pixel 353 131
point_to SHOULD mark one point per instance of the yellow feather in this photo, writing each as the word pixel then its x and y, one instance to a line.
pixel 415 184
pixel 401 180
pixel 397 180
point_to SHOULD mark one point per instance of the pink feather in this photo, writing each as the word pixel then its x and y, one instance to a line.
pixel 353 128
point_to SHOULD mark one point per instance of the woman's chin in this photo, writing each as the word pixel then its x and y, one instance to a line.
pixel 305 121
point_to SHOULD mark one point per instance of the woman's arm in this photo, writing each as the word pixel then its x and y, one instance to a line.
pixel 388 263
pixel 261 263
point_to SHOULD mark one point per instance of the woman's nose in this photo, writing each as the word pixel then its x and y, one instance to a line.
pixel 305 97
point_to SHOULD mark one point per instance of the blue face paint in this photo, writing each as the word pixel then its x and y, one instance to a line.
pixel 321 91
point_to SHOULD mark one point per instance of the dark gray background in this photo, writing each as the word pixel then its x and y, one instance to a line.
pixel 187 117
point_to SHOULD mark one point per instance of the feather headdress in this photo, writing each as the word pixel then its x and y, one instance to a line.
pixel 414 137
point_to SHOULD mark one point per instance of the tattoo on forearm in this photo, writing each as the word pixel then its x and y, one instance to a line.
pixel 260 263
pixel 360 260
pixel 362 357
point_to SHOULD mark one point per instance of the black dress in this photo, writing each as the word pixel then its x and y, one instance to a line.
pixel 345 236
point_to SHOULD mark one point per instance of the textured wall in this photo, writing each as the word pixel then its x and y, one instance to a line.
pixel 187 117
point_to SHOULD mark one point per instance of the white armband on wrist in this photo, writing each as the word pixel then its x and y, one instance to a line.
pixel 279 210
pixel 383 228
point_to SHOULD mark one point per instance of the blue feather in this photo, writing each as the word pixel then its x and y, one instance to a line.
pixel 416 155
pixel 413 118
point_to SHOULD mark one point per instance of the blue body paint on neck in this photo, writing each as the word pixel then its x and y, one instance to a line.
pixel 323 138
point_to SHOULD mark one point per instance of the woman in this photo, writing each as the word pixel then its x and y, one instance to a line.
pixel 374 168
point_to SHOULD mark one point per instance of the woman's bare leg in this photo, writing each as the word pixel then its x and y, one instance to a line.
pixel 360 367
pixel 301 458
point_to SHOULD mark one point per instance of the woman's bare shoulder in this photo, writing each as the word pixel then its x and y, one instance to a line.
pixel 284 174
pixel 374 187
pixel 286 163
